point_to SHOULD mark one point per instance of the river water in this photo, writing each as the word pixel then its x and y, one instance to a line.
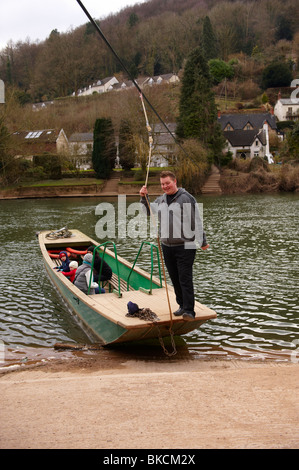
pixel 249 276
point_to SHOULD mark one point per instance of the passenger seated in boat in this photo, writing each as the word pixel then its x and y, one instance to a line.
pixel 71 274
pixel 65 262
pixel 82 277
pixel 106 273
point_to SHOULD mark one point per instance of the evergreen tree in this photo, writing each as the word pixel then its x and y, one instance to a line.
pixel 104 152
pixel 293 142
pixel 197 108
pixel 126 146
pixel 208 40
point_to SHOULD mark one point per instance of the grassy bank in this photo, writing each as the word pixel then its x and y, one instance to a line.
pixel 270 178
pixel 64 182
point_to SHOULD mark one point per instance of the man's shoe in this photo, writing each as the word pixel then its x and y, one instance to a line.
pixel 178 312
pixel 188 316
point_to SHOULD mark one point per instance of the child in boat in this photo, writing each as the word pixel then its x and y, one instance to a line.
pixel 65 262
pixel 72 272
pixel 82 277
pixel 106 272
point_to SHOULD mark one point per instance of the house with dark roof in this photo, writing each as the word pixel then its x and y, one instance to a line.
pixel 247 135
pixel 246 122
pixel 246 144
pixel 34 142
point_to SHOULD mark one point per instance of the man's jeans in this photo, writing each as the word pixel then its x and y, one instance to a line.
pixel 179 263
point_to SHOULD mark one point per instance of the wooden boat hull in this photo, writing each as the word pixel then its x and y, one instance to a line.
pixel 103 316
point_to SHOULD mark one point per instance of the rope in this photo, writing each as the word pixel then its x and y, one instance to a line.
pixel 61 233
pixel 156 113
pixel 158 238
pixel 150 139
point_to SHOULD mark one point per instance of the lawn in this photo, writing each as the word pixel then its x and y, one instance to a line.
pixel 64 182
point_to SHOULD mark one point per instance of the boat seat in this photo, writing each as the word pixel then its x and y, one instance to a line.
pixel 113 284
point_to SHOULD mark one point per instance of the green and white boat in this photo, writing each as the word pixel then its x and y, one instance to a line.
pixel 105 315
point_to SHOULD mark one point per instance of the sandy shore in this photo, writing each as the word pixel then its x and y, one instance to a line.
pixel 157 404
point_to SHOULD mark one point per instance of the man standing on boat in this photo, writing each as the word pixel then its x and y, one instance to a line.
pixel 180 227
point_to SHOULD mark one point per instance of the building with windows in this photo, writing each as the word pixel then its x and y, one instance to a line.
pixel 247 135
pixel 287 109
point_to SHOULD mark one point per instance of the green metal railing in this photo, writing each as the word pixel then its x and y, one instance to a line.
pixel 103 255
pixel 152 264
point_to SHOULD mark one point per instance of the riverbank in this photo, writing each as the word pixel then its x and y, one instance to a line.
pixel 231 181
pixel 136 404
pixel 94 190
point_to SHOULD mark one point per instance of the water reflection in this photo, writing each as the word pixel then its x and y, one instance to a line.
pixel 249 275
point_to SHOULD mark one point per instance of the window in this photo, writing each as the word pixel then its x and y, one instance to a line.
pixel 33 135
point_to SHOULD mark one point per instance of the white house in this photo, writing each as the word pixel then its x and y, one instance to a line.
pixel 111 83
pixel 247 135
pixel 287 109
pixel 247 144
pixel 80 149
pixel 164 78
pixel 164 145
pixel 101 86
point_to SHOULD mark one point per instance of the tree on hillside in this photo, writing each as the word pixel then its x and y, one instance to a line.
pixel 208 40
pixel 9 165
pixel 284 29
pixel 276 74
pixel 103 154
pixel 220 70
pixel 197 109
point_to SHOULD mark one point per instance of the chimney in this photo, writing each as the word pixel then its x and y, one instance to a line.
pixel 219 113
pixel 266 130
pixel 272 111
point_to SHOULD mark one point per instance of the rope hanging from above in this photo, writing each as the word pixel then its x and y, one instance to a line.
pixel 150 139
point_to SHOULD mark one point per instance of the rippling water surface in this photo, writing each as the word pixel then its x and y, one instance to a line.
pixel 249 275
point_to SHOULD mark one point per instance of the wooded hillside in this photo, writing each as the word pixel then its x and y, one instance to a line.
pixel 152 38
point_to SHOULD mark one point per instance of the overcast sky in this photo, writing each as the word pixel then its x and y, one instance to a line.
pixel 35 19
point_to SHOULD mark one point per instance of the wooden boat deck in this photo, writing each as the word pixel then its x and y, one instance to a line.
pixel 77 239
pixel 116 308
